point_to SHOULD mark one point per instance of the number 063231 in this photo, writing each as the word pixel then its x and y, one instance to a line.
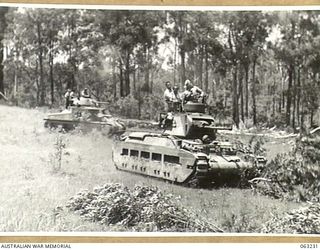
pixel 309 246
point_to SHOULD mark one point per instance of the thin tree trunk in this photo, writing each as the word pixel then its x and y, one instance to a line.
pixel 282 88
pixel 294 99
pixel 51 72
pixel 139 102
pixel 246 70
pixel 122 94
pixel 127 74
pixel 254 106
pixel 1 69
pixel 151 82
pixel 40 58
pixel 241 94
pixel 134 82
pixel 114 79
pixel 274 97
pixel 15 86
pixel 201 66
pixel 147 71
pixel 175 63
pixel 235 111
pixel 206 81
pixel 289 94
pixel 3 25
pixel 183 66
pixel 298 95
pixel 37 82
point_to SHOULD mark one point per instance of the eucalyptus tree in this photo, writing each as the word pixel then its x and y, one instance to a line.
pixel 27 47
pixel 79 43
pixel 3 27
pixel 246 34
pixel 133 38
pixel 297 51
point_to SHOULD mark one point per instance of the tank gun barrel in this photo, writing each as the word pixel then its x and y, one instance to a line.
pixel 101 102
pixel 219 127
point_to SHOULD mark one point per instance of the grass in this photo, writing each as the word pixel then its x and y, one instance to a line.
pixel 34 181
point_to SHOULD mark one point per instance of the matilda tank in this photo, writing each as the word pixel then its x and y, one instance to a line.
pixel 160 156
pixel 85 118
pixel 184 150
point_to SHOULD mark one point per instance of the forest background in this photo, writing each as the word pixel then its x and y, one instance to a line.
pixel 257 67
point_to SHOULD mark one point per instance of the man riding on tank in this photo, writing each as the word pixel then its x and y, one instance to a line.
pixel 192 93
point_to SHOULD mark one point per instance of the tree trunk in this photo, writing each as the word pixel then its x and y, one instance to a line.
pixel 206 81
pixel 3 25
pixel 201 66
pixel 1 70
pixel 127 74
pixel 294 99
pixel 289 94
pixel 274 97
pixel 122 93
pixel 51 72
pixel 246 71
pixel 183 66
pixel 175 63
pixel 134 82
pixel 15 86
pixel 139 102
pixel 40 58
pixel 114 79
pixel 241 94
pixel 298 95
pixel 37 82
pixel 235 110
pixel 151 82
pixel 146 70
pixel 254 106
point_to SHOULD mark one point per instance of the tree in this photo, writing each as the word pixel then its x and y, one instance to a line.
pixel 246 36
pixel 3 26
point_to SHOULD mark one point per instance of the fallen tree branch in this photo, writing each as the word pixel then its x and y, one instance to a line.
pixel 3 96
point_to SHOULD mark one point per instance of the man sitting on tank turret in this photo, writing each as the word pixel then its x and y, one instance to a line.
pixel 192 93
pixel 85 98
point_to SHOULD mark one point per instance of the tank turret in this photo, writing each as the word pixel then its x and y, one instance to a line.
pixel 191 123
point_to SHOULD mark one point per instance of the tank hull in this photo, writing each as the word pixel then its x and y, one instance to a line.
pixel 160 161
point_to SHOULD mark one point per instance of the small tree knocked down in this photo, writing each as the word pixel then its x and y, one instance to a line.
pixel 141 209
pixel 305 220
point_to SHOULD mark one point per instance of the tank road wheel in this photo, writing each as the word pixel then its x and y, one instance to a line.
pixel 192 181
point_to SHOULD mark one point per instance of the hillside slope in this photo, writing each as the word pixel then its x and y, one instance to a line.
pixel 33 184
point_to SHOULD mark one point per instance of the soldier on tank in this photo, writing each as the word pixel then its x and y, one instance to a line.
pixel 85 98
pixel 169 96
pixel 192 93
pixel 69 95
